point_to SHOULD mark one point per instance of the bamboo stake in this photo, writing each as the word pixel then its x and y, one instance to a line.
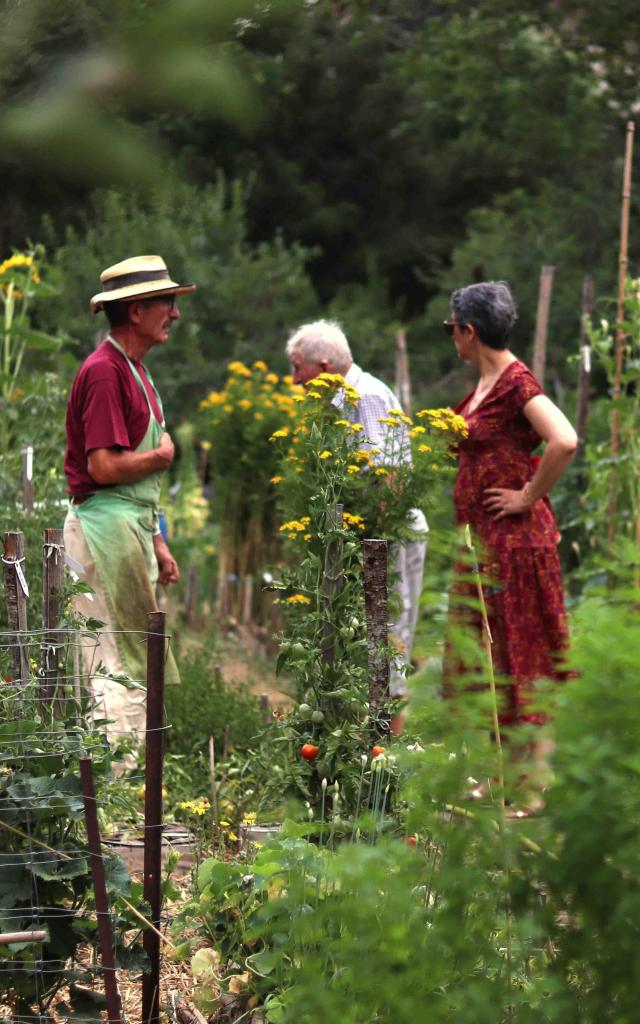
pixel 542 323
pixel 620 331
pixel 584 371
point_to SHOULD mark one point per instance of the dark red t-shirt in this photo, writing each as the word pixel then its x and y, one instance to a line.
pixel 106 409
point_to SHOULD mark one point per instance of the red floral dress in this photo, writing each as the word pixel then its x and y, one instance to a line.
pixel 519 564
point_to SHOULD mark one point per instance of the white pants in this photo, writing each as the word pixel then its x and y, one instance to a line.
pixel 408 566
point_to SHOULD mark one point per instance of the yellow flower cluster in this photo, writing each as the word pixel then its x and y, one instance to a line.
pixel 330 384
pixel 199 806
pixel 19 260
pixel 298 599
pixel 445 420
pixel 353 520
pixel 295 527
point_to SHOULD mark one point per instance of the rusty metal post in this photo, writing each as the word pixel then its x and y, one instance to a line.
pixel 16 592
pixel 376 608
pixel 156 653
pixel 100 891
pixel 52 658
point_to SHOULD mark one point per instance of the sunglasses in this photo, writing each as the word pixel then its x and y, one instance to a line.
pixel 450 326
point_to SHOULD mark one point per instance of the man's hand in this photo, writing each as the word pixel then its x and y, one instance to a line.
pixel 166 450
pixel 168 571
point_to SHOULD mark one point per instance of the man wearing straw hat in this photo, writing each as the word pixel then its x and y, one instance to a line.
pixel 117 451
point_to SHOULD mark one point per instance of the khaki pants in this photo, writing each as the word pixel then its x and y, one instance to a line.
pixel 125 709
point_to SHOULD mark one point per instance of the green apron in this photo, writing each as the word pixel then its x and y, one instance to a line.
pixel 119 523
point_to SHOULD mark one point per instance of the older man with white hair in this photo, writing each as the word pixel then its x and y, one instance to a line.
pixel 322 347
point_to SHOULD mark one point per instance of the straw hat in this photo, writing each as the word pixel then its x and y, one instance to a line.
pixel 141 277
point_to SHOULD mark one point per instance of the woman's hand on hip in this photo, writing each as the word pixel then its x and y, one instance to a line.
pixel 501 502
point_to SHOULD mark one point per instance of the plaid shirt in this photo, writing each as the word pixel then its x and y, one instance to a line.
pixel 376 401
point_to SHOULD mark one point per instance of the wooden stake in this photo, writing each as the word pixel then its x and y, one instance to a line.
pixel 403 380
pixel 16 599
pixel 212 773
pixel 246 613
pixel 542 323
pixel 52 659
pixel 584 371
pixel 375 600
pixel 620 330
pixel 156 653
pixel 265 708
pixel 100 891
pixel 6 938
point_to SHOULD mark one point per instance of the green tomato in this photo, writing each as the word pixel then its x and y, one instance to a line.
pixel 297 650
pixel 305 712
pixel 317 717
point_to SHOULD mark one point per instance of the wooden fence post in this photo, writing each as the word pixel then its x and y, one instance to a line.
pixel 403 380
pixel 332 581
pixel 100 892
pixel 542 323
pixel 52 657
pixel 156 654
pixel 375 601
pixel 584 371
pixel 16 592
pixel 27 478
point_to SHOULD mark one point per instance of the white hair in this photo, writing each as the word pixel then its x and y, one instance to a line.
pixel 321 342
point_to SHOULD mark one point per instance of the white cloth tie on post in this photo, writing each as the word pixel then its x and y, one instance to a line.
pixel 19 573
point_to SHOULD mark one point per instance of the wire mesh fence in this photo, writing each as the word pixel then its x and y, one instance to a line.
pixel 68 919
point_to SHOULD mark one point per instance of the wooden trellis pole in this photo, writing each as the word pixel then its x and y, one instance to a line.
pixel 542 323
pixel 584 371
pixel 376 609
pixel 620 330
pixel 17 592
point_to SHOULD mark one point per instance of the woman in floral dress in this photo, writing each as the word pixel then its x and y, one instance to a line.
pixel 501 491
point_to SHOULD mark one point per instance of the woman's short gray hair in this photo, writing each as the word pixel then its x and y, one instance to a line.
pixel 489 306
pixel 321 342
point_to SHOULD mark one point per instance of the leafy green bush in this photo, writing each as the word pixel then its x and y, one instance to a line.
pixel 205 705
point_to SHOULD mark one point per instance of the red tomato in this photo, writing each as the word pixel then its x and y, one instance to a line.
pixel 309 751
pixel 411 841
pixel 376 751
